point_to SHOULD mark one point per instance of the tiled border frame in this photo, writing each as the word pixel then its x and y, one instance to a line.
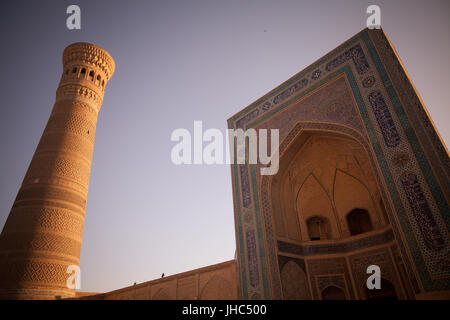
pixel 266 290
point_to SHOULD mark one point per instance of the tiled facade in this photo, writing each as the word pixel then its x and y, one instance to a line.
pixel 361 91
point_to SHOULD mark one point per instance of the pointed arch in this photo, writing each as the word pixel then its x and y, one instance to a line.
pixel 161 294
pixel 350 194
pixel 218 288
pixel 359 222
pixel 313 201
pixel 318 228
pixel 294 282
pixel 333 293
pixel 289 148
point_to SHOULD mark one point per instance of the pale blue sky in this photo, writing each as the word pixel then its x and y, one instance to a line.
pixel 180 61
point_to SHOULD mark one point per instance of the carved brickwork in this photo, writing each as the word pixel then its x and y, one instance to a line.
pixel 42 235
pixel 215 282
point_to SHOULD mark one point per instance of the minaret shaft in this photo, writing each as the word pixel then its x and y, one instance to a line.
pixel 42 235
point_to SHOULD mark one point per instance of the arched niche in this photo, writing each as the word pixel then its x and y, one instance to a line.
pixel 333 293
pixel 352 193
pixel 359 222
pixel 324 174
pixel 315 210
pixel 218 288
pixel 318 228
pixel 294 282
pixel 161 294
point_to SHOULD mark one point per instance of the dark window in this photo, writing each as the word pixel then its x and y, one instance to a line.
pixel 318 228
pixel 333 293
pixel 359 221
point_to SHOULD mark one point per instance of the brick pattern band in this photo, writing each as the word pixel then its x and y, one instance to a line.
pixel 42 235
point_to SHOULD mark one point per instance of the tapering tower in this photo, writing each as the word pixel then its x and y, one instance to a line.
pixel 42 235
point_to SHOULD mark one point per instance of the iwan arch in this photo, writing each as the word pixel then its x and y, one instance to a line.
pixel 363 180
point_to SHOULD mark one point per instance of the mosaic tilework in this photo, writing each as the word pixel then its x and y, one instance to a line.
pixel 379 257
pixel 410 287
pixel 316 74
pixel 384 119
pixel 414 109
pixel 345 247
pixel 245 185
pixel 422 213
pixel 425 260
pixel 290 91
pixel 368 82
pixel 333 272
pixel 252 258
pixel 359 60
pixel 356 54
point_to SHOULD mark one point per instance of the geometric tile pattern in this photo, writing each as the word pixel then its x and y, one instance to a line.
pixel 411 164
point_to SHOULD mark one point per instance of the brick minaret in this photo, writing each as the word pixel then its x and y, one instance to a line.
pixel 42 235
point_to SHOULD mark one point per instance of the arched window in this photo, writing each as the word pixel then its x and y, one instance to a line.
pixel 318 228
pixel 83 73
pixel 333 293
pixel 359 221
pixel 98 82
pixel 91 76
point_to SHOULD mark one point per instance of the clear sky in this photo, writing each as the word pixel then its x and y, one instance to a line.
pixel 176 62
